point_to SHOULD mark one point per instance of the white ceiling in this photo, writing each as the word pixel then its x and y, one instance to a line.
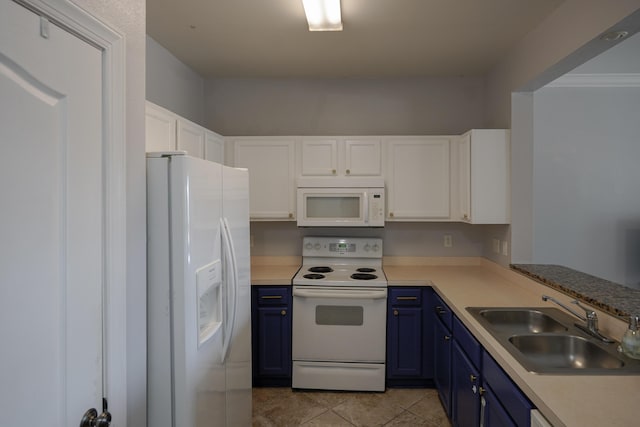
pixel 381 38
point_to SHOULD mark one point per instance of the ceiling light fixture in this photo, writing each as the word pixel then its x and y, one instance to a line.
pixel 323 15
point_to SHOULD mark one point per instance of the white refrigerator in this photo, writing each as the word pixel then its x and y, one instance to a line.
pixel 198 301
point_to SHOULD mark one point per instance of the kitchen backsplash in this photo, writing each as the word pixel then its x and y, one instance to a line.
pixel 400 239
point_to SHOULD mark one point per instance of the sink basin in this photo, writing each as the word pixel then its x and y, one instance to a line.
pixel 549 351
pixel 545 340
pixel 521 321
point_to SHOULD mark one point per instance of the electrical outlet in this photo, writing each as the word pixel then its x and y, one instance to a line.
pixel 505 248
pixel 496 246
pixel 448 241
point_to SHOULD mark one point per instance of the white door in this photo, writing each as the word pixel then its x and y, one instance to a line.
pixel 52 229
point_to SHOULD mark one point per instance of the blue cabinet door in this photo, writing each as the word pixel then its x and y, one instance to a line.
pixel 274 344
pixel 271 335
pixel 442 363
pixel 404 342
pixel 493 413
pixel 465 388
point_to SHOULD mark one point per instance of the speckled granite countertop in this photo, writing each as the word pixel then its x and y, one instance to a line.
pixel 608 296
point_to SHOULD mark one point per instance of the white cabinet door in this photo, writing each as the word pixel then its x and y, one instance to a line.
pixel 271 164
pixel 363 157
pixel 319 157
pixel 213 147
pixel 360 156
pixel 418 179
pixel 190 138
pixel 483 176
pixel 160 129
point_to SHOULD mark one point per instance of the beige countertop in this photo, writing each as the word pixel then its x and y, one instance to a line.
pixel 565 400
pixel 274 270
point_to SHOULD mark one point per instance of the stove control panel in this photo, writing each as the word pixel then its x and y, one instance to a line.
pixel 349 247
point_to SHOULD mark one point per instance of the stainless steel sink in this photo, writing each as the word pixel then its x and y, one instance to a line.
pixel 521 320
pixel 564 352
pixel 545 340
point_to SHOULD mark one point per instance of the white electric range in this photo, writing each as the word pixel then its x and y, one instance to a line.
pixel 339 315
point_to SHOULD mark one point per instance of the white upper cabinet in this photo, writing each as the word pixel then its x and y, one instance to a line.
pixel 167 131
pixel 417 175
pixel 190 138
pixel 271 164
pixel 160 129
pixel 319 157
pixel 483 176
pixel 363 157
pixel 356 156
pixel 213 147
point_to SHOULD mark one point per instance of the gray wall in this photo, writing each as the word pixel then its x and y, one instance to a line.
pixel 566 39
pixel 398 106
pixel 128 17
pixel 586 181
pixel 173 85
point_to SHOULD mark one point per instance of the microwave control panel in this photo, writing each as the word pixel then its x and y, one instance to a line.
pixel 376 206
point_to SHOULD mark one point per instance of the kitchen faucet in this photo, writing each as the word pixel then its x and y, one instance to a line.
pixel 591 318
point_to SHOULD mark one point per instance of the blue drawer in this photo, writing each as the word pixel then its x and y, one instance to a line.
pixel 467 342
pixel 273 295
pixel 442 311
pixel 405 296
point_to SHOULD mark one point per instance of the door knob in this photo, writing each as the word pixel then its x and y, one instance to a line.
pixel 92 419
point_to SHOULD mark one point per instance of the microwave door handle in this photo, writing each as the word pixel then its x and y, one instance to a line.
pixel 366 207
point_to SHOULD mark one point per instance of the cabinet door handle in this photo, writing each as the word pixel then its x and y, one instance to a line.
pixel 472 377
pixel 290 215
pixel 395 312
pixel 407 298
pixel 390 214
pixel 447 337
pixel 283 312
pixel 482 391
pixel 440 310
pixel 271 297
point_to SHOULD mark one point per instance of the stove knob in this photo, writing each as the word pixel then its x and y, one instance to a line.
pixel 367 247
pixel 316 246
pixel 375 247
pixel 308 246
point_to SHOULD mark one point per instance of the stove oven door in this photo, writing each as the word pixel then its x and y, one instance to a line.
pixel 339 324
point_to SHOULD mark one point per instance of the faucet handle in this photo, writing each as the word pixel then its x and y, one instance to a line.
pixel 590 313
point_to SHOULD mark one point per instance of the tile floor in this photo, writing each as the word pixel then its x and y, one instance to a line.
pixel 396 407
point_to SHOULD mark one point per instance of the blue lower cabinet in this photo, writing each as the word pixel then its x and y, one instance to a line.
pixel 493 413
pixel 505 396
pixel 466 359
pixel 271 335
pixel 409 337
pixel 465 389
pixel 442 346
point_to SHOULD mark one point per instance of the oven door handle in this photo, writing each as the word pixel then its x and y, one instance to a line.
pixel 322 293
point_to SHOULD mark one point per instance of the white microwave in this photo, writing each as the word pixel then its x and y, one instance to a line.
pixel 337 202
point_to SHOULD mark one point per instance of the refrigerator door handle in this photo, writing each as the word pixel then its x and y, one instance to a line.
pixel 232 285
